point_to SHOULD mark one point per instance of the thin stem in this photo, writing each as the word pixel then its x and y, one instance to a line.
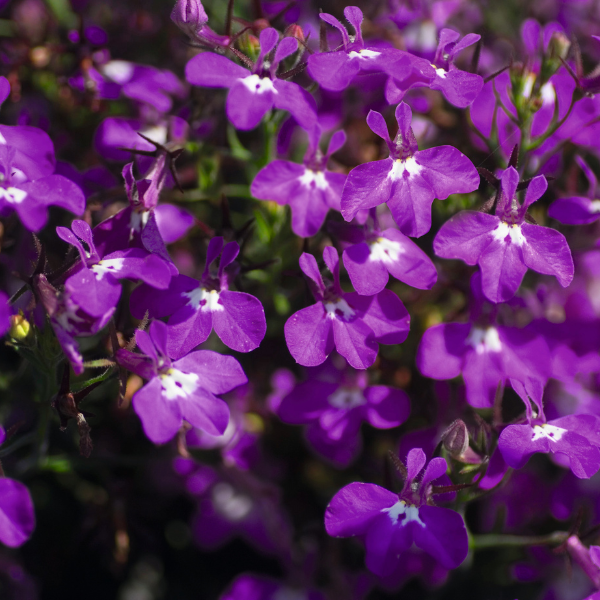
pixel 493 540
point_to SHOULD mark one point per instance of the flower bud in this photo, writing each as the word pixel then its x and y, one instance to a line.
pixel 456 438
pixel 559 45
pixel 294 30
pixel 19 327
pixel 189 16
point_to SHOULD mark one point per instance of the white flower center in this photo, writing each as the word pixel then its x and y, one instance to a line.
pixel 177 384
pixel 259 85
pixel 513 231
pixel 528 86
pixel 408 165
pixel 385 251
pixel 548 93
pixel 157 134
pixel 335 308
pixel 230 503
pixel 311 178
pixel 484 340
pixel 13 195
pixel 120 71
pixel 2 139
pixel 205 300
pixel 440 72
pixel 364 54
pixel 111 265
pixel 346 399
pixel 595 206
pixel 138 220
pixel 547 431
pixel 410 512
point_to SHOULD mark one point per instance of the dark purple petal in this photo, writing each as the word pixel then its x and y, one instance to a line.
pixel 17 516
pixel 576 210
pixel 278 181
pixel 415 461
pixel 386 539
pixel 443 535
pixel 188 327
pixel 459 87
pixel 354 341
pixel 306 402
pixel 333 71
pixel 386 407
pixel 441 350
pixel 205 411
pixel 352 509
pixel 368 275
pixel 297 101
pixel 173 222
pixel 57 190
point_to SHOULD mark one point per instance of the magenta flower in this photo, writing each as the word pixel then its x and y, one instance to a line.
pixel 184 389
pixel 409 179
pixel 390 523
pixel 575 436
pixel 351 323
pixel 382 253
pixel 253 93
pixel 310 189
pixel 334 403
pixel 504 245
pixel 578 210
pixel 17 516
pixel 335 71
pixel 196 307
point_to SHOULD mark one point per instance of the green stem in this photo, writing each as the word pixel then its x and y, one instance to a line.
pixel 492 540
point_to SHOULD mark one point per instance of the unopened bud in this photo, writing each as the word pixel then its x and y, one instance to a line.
pixel 456 438
pixel 559 45
pixel 189 16
pixel 19 327
pixel 296 31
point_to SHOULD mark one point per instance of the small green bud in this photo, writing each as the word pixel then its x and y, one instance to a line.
pixel 19 327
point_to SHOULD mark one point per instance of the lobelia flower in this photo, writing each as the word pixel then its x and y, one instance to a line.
pixel 27 184
pixel 351 323
pixel 504 245
pixel 253 93
pixel 335 71
pixel 460 88
pixel 409 179
pixel 95 287
pixel 196 307
pixel 390 523
pixel 574 436
pixel 334 402
pixel 310 189
pixel 484 352
pixel 184 389
pixel 578 210
pixel 386 252
pixel 17 515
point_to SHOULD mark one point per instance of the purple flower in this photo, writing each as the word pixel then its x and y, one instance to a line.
pixel 198 307
pixel 351 323
pixel 504 245
pixel 189 16
pixel 336 70
pixel 253 93
pixel 578 210
pixel 334 402
pixel 575 436
pixel 95 287
pixel 27 184
pixel 386 252
pixel 409 179
pixel 184 389
pixel 17 516
pixel 390 523
pixel 484 352
pixel 310 189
